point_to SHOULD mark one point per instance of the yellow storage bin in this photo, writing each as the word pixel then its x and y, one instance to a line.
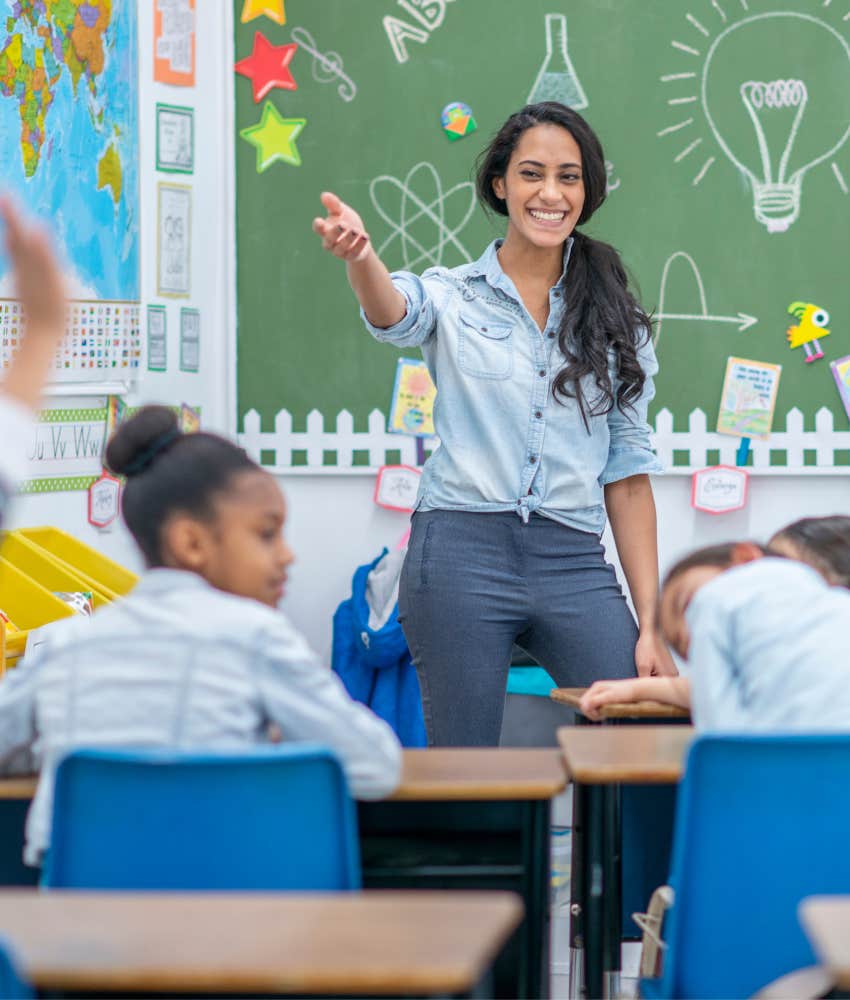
pixel 95 570
pixel 40 566
pixel 27 604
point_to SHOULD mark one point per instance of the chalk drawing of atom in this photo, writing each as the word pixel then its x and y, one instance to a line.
pixel 424 219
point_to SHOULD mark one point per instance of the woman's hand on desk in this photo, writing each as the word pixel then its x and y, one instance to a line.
pixel 652 657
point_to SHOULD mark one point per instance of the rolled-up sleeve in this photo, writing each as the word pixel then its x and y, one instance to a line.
pixel 629 450
pixel 419 320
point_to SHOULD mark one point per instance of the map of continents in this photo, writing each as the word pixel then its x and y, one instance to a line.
pixel 69 150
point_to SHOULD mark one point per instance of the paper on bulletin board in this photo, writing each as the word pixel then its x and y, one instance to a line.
pixel 190 340
pixel 157 339
pixel 174 240
pixel 748 400
pixel 412 407
pixel 64 450
pixel 174 42
pixel 175 139
pixel 841 373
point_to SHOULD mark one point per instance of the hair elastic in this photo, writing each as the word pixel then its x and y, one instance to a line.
pixel 156 447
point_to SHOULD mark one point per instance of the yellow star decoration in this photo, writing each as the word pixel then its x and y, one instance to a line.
pixel 274 138
pixel 272 9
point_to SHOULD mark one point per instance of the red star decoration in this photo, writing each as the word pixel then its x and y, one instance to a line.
pixel 268 66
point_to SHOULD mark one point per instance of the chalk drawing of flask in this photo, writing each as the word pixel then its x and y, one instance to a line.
pixel 556 79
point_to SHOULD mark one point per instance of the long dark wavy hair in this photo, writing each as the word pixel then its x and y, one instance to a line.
pixel 601 313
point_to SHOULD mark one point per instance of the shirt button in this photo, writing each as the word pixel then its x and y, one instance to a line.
pixel 519 503
pixel 542 373
pixel 483 329
pixel 533 459
pixel 551 336
pixel 538 414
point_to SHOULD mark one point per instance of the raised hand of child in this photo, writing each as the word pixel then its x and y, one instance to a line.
pixel 38 281
pixel 343 233
pixel 41 290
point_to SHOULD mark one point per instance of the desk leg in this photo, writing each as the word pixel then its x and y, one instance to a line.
pixel 601 890
pixel 592 900
pixel 612 889
pixel 537 875
pixel 577 880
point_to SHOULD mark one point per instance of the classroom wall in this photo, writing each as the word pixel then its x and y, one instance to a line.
pixel 211 249
pixel 334 524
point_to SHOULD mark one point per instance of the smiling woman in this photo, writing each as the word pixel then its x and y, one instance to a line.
pixel 543 363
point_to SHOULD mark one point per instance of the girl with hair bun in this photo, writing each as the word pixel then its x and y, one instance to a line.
pixel 198 654
pixel 543 363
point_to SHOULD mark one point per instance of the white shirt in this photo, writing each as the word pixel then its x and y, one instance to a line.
pixel 182 665
pixel 16 422
pixel 769 650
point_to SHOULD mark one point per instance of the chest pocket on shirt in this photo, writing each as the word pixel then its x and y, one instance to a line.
pixel 484 348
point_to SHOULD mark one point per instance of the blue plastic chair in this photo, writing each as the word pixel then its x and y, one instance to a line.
pixel 279 818
pixel 11 984
pixel 761 822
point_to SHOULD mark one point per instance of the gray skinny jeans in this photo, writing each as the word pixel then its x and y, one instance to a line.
pixel 474 583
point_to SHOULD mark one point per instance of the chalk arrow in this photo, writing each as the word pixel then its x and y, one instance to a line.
pixel 743 321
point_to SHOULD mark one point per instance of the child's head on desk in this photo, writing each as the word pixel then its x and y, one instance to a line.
pixel 822 543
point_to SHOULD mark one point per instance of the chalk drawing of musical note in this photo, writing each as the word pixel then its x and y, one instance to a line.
pixel 327 66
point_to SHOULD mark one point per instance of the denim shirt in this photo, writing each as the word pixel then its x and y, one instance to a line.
pixel 505 442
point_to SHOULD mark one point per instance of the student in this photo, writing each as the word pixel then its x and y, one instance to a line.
pixel 821 542
pixel 197 656
pixel 39 288
pixel 543 362
pixel 765 639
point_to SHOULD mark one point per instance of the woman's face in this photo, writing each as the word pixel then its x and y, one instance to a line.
pixel 543 187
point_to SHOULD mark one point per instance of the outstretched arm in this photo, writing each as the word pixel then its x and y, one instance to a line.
pixel 344 235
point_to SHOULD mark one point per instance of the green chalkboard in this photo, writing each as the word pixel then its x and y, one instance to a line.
pixel 697 106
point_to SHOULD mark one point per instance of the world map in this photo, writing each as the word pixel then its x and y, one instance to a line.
pixel 69 150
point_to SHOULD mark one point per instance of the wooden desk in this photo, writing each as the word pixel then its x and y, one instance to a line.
pixel 621 710
pixel 599 760
pixel 357 943
pixel 826 921
pixel 630 755
pixel 473 819
pixel 461 819
pixel 19 788
pixel 470 774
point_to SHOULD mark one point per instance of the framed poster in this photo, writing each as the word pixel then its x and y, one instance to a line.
pixel 175 139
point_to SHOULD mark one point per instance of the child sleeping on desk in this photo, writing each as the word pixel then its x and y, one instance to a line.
pixel 764 632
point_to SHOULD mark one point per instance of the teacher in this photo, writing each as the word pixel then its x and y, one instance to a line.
pixel 543 362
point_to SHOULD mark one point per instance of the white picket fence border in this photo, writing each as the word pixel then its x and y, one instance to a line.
pixel 697 441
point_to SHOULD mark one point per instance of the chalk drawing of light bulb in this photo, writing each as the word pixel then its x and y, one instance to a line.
pixel 775 126
pixel 556 79
pixel 774 89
